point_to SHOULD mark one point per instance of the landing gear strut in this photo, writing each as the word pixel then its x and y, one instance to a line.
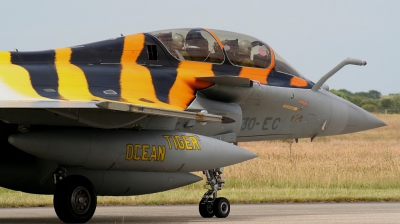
pixel 74 199
pixel 210 206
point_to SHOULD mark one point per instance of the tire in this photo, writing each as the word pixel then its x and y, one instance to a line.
pixel 222 207
pixel 75 199
pixel 206 210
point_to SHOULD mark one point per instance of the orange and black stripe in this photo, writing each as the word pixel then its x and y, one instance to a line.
pixel 120 70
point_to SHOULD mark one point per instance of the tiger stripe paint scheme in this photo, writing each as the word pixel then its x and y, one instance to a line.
pixel 119 70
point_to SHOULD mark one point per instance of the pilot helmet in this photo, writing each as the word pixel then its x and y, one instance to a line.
pixel 244 47
pixel 196 46
pixel 177 41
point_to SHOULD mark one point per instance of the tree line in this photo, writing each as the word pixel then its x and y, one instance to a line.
pixel 371 101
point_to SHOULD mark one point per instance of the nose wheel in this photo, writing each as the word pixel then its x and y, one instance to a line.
pixel 210 204
pixel 206 209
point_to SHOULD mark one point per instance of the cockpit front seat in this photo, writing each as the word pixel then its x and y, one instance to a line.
pixel 197 46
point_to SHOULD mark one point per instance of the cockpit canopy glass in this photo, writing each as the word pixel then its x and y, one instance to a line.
pixel 281 65
pixel 191 45
pixel 243 50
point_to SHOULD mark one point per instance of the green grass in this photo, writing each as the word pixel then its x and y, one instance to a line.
pixel 10 198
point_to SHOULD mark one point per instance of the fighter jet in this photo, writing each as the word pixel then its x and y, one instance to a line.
pixel 136 114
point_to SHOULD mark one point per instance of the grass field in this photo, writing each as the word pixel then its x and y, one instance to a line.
pixel 363 166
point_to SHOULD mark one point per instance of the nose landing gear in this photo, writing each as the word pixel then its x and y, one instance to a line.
pixel 210 206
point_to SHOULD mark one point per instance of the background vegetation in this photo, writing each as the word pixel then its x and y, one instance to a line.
pixel 372 101
pixel 362 166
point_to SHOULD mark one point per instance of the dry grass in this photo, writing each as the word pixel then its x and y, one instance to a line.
pixel 363 166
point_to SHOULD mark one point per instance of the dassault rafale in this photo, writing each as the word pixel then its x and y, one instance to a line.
pixel 137 114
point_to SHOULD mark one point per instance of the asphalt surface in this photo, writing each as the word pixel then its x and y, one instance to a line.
pixel 260 213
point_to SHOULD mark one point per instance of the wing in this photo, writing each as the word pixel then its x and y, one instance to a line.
pixel 36 84
pixel 79 76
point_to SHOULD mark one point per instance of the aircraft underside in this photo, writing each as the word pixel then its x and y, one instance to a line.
pixel 76 162
pixel 24 172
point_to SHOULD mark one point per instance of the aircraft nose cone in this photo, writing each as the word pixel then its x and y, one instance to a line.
pixel 361 120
